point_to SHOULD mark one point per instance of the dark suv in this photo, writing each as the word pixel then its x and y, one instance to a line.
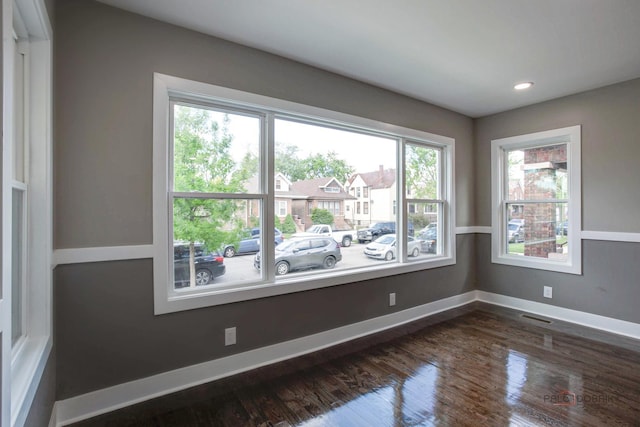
pixel 378 229
pixel 208 265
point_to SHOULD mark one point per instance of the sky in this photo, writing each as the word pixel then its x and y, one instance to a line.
pixel 364 152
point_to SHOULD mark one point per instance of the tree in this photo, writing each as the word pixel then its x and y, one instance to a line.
pixel 321 216
pixel 203 164
pixel 422 172
pixel 288 163
pixel 315 166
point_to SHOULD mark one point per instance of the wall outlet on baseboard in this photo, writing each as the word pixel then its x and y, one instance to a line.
pixel 548 292
pixel 392 299
pixel 230 336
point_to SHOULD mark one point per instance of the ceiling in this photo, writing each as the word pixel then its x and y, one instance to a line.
pixel 464 55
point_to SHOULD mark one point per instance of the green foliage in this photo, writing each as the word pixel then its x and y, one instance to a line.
pixel 289 225
pixel 295 168
pixel 321 216
pixel 422 171
pixel 203 163
pixel 419 221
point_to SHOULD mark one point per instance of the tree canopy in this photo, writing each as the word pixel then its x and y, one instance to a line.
pixel 296 168
pixel 203 164
pixel 422 172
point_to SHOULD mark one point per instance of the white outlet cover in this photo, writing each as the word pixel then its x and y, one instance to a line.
pixel 548 292
pixel 230 336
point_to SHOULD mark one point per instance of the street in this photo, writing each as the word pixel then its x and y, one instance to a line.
pixel 240 267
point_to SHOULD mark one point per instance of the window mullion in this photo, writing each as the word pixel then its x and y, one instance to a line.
pixel 267 147
pixel 402 228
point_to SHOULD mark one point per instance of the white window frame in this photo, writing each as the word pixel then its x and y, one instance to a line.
pixel 23 365
pixel 571 136
pixel 167 301
pixel 282 207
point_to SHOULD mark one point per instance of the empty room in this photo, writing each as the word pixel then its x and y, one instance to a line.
pixel 337 213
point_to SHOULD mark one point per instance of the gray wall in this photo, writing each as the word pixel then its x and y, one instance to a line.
pixel 610 151
pixel 106 332
pixel 610 201
pixel 105 64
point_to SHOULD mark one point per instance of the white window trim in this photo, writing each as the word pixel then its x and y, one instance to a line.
pixel 22 366
pixel 165 302
pixel 570 136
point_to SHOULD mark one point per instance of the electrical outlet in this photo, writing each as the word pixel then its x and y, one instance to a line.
pixel 392 299
pixel 230 336
pixel 548 292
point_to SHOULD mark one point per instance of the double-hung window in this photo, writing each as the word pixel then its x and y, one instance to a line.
pixel 25 297
pixel 216 153
pixel 536 200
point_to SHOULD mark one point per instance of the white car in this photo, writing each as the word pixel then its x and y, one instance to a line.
pixel 384 247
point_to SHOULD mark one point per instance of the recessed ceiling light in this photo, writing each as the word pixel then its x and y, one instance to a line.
pixel 523 86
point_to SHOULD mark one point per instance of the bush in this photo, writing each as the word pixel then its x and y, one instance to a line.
pixel 321 216
pixel 289 225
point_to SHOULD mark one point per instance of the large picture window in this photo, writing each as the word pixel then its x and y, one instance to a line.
pixel 536 196
pixel 255 196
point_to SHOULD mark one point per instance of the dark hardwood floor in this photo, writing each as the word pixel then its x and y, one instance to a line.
pixel 475 366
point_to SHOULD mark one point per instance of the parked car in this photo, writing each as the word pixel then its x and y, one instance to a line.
pixel 430 226
pixel 384 247
pixel 428 240
pixel 515 232
pixel 378 229
pixel 343 237
pixel 250 244
pixel 304 252
pixel 208 265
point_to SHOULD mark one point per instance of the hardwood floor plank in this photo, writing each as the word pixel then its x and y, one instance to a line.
pixel 485 367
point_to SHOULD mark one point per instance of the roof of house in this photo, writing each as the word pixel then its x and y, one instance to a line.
pixel 382 178
pixel 315 189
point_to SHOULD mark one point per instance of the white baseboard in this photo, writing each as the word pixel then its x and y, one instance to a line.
pixel 603 323
pixel 109 399
pixel 53 421
pixel 101 401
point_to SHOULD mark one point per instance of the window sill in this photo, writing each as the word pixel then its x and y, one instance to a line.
pixel 27 366
pixel 559 266
pixel 193 300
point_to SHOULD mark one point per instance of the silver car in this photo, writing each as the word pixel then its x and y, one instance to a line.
pixel 384 247
pixel 304 252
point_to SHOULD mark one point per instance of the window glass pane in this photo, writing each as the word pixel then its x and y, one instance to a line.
pixel 422 172
pixel 215 152
pixel 340 178
pixel 538 230
pixel 17 247
pixel 425 223
pixel 210 235
pixel 18 117
pixel 538 173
